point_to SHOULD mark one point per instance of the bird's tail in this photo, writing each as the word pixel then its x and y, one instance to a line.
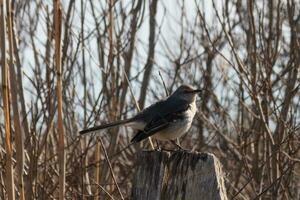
pixel 104 126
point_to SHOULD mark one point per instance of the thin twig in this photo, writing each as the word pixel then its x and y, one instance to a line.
pixel 137 105
pixel 110 168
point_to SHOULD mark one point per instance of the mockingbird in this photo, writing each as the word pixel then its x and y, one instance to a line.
pixel 167 119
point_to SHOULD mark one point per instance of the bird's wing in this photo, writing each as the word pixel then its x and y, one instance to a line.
pixel 141 135
pixel 161 109
pixel 160 122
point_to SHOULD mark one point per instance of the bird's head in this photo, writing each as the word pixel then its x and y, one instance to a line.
pixel 186 92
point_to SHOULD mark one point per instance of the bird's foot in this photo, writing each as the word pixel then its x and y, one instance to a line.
pixel 183 150
pixel 177 145
pixel 158 149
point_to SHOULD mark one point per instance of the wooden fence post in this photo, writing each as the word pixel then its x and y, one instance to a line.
pixel 178 175
pixel 148 178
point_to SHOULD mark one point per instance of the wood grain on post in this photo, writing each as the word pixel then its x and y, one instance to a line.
pixel 178 175
pixel 149 174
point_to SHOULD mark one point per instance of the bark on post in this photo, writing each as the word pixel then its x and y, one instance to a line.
pixel 178 175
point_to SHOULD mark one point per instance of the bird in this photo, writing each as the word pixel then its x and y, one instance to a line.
pixel 165 120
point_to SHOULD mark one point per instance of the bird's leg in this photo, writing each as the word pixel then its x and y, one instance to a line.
pixel 157 146
pixel 176 143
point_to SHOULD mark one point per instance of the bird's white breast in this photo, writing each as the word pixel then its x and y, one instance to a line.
pixel 179 127
pixel 192 111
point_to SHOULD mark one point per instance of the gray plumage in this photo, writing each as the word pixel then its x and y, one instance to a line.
pixel 167 119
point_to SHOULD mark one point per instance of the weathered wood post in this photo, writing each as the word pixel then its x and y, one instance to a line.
pixel 178 175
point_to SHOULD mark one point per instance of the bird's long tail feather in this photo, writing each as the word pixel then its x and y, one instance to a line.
pixel 104 126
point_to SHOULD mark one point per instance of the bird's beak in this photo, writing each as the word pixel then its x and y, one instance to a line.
pixel 196 91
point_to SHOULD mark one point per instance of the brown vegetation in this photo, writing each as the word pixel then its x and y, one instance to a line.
pixel 68 67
